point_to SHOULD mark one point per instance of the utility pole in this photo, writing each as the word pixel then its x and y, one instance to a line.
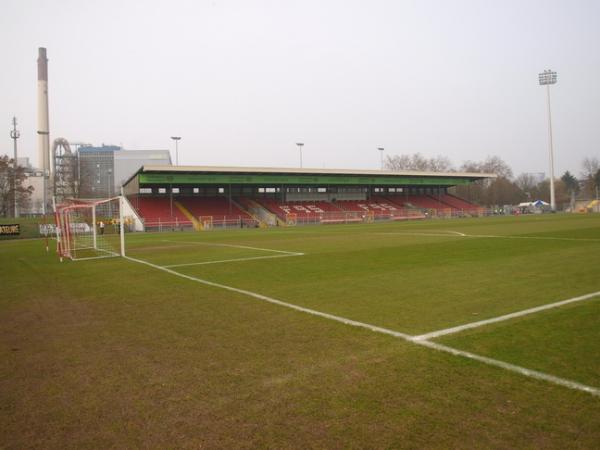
pixel 15 134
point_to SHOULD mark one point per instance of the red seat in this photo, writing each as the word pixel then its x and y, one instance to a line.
pixel 458 203
pixel 301 209
pixel 158 209
pixel 420 201
pixel 218 207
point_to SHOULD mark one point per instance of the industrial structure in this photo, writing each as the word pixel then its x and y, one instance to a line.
pixel 102 170
pixel 43 122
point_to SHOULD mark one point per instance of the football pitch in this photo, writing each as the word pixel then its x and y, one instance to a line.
pixel 441 334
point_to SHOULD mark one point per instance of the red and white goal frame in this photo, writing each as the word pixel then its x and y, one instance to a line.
pixel 90 229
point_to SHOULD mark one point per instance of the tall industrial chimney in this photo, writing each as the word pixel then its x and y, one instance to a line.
pixel 43 124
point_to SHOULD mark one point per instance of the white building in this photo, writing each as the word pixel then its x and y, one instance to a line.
pixel 127 162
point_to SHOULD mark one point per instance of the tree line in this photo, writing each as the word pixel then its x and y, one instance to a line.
pixel 506 189
pixel 12 184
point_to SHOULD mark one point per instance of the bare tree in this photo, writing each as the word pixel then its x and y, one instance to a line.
pixel 590 167
pixel 526 182
pixel 8 177
pixel 417 161
pixel 440 164
pixel 499 191
pixel 492 164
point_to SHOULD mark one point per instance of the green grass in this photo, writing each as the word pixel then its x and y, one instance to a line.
pixel 562 341
pixel 113 353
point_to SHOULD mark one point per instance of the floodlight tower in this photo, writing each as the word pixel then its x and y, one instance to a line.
pixel 176 139
pixel 300 145
pixel 381 154
pixel 546 78
pixel 14 135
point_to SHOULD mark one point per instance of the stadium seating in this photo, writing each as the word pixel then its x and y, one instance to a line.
pixel 301 209
pixel 378 205
pixel 420 201
pixel 217 207
pixel 457 203
pixel 158 209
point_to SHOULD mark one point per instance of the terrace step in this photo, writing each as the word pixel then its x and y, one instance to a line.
pixel 197 225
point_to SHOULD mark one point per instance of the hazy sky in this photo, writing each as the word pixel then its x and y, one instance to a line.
pixel 243 81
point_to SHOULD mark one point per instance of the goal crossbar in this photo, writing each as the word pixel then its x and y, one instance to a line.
pixel 90 229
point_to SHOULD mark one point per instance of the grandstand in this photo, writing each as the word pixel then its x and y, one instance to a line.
pixel 205 197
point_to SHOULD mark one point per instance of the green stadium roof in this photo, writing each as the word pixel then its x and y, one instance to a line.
pixel 164 174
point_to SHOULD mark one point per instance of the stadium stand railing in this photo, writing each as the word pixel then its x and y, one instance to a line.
pixel 380 208
pixel 160 214
pixel 204 213
pixel 224 214
pixel 257 211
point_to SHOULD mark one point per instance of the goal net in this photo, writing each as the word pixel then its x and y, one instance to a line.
pixel 206 222
pixel 90 229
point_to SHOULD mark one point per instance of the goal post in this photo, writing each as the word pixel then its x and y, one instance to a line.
pixel 90 229
pixel 206 223
pixel 291 219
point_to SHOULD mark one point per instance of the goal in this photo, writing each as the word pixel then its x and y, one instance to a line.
pixel 206 222
pixel 90 229
pixel 291 219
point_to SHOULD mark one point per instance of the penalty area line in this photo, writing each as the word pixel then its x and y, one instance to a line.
pixel 251 258
pixel 408 338
pixel 276 302
pixel 216 244
pixel 525 312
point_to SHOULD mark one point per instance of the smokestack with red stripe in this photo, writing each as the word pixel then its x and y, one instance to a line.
pixel 43 121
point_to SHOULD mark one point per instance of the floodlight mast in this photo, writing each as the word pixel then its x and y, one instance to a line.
pixel 546 78
pixel 176 139
pixel 14 135
pixel 300 145
pixel 381 153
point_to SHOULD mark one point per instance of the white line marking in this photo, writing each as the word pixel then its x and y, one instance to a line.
pixel 277 302
pixel 410 233
pixel 544 238
pixel 233 260
pixel 214 244
pixel 87 258
pixel 513 368
pixel 483 359
pixel 458 234
pixel 480 323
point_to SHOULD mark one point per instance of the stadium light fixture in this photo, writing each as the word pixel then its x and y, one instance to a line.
pixel 381 154
pixel 176 139
pixel 547 78
pixel 14 135
pixel 300 145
